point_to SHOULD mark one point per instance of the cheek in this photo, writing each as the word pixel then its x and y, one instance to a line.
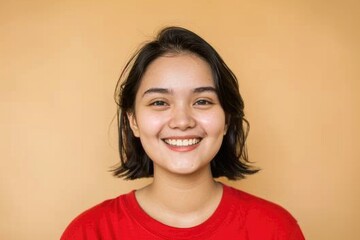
pixel 215 122
pixel 149 124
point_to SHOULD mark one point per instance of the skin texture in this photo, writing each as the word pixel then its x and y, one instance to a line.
pixel 181 125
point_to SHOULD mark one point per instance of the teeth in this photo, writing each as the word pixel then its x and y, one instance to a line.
pixel 182 142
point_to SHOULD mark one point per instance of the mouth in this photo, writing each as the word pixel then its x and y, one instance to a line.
pixel 182 142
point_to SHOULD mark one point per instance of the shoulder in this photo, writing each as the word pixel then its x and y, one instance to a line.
pixel 256 206
pixel 87 224
pixel 262 214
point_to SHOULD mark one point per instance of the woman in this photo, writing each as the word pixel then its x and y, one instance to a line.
pixel 181 121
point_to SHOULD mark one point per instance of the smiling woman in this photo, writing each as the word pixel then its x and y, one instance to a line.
pixel 171 43
pixel 181 121
pixel 175 104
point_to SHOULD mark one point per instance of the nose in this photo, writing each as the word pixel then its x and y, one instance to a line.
pixel 182 118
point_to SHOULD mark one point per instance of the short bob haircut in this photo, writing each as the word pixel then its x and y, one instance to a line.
pixel 231 161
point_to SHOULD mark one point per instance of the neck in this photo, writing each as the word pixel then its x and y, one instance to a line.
pixel 181 201
pixel 184 193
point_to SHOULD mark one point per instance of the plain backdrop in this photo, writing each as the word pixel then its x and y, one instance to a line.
pixel 298 67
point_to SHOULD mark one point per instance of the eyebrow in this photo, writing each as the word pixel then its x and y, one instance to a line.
pixel 168 91
pixel 204 89
pixel 157 90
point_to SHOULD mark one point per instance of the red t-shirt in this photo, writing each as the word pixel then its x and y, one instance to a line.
pixel 238 216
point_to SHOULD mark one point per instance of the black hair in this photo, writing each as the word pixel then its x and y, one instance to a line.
pixel 231 161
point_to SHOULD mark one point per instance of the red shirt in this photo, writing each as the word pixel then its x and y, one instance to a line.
pixel 238 216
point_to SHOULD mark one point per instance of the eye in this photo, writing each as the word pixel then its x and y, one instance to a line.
pixel 158 103
pixel 203 102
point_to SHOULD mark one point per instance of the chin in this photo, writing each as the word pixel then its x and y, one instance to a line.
pixel 188 170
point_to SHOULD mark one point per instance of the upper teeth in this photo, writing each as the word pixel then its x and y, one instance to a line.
pixel 182 142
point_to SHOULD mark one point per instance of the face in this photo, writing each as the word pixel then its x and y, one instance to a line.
pixel 178 116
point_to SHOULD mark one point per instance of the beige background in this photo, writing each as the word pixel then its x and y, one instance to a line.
pixel 298 66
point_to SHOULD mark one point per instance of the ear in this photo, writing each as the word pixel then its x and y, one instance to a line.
pixel 133 124
pixel 225 129
pixel 227 120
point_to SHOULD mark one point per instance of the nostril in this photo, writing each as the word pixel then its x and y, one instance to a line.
pixel 182 119
pixel 182 123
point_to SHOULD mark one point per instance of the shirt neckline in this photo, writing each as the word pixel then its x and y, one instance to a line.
pixel 162 230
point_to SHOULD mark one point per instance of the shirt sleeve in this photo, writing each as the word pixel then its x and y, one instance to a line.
pixel 297 234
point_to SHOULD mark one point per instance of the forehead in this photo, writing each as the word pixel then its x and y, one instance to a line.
pixel 176 72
